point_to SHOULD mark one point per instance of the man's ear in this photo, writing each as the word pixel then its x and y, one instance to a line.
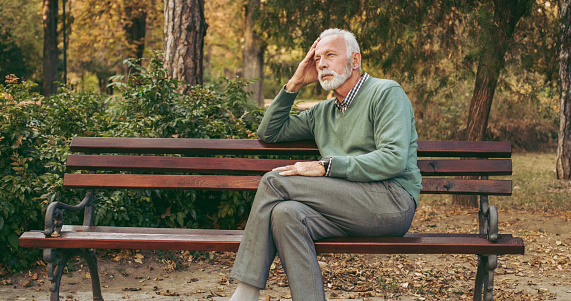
pixel 356 60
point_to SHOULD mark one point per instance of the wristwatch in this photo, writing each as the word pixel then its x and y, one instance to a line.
pixel 326 163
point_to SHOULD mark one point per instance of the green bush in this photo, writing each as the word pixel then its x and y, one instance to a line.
pixel 35 133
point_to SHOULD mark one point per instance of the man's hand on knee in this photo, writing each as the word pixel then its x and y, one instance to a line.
pixel 308 169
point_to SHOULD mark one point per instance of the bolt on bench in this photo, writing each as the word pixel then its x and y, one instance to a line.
pixel 191 172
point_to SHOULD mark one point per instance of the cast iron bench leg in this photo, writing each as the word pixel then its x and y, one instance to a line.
pixel 55 273
pixel 485 277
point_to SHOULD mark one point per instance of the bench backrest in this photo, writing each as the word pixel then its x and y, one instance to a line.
pixel 198 164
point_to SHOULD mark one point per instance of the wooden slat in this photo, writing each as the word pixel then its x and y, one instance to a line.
pixel 216 182
pixel 229 240
pixel 260 166
pixel 462 186
pixel 174 164
pixel 190 146
pixel 478 167
pixel 479 149
pixel 164 182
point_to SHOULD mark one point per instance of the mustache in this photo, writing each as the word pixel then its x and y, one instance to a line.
pixel 327 72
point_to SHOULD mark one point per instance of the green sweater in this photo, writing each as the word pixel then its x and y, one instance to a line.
pixel 374 140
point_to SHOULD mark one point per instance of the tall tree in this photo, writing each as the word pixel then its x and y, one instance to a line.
pixel 50 11
pixel 253 52
pixel 106 32
pixel 20 48
pixel 564 141
pixel 134 23
pixel 184 31
pixel 495 40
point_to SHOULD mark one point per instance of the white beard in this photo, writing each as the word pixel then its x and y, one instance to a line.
pixel 338 79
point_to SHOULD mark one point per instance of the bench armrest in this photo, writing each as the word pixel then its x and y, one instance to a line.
pixel 56 210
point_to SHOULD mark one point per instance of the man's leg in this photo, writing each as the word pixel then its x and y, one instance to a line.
pixel 294 227
pixel 353 208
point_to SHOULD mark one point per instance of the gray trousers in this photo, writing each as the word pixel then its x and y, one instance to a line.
pixel 290 212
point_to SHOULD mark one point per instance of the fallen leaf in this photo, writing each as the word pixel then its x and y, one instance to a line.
pixel 167 293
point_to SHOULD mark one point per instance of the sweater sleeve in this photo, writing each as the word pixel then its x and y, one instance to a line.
pixel 392 121
pixel 279 126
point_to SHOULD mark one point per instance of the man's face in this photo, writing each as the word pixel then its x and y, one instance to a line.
pixel 332 63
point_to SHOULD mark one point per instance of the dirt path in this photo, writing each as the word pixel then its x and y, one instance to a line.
pixel 543 273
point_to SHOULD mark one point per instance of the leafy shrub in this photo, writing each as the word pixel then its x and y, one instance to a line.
pixel 21 164
pixel 35 133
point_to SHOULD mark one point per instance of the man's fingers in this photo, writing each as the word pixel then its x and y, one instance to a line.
pixel 288 167
pixel 311 51
pixel 289 170
pixel 289 173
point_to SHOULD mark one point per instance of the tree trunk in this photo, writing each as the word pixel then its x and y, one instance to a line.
pixel 564 141
pixel 50 11
pixel 136 28
pixel 253 54
pixel 491 62
pixel 185 28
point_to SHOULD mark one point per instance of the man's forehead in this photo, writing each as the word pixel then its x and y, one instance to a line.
pixel 336 42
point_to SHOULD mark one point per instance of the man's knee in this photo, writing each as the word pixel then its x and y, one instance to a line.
pixel 287 213
pixel 273 183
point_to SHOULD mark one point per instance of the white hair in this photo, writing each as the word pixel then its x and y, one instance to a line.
pixel 350 41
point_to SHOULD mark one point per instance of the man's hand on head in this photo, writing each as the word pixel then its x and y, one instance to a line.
pixel 308 169
pixel 306 72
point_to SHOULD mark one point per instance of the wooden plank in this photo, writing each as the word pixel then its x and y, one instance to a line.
pixel 260 166
pixel 478 167
pixel 462 186
pixel 229 240
pixel 479 149
pixel 218 182
pixel 163 182
pixel 174 164
pixel 190 146
pixel 421 243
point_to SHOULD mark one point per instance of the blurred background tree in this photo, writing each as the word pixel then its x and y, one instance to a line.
pixel 184 31
pixel 21 38
pixel 564 141
pixel 51 51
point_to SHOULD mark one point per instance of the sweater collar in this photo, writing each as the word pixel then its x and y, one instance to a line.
pixel 343 105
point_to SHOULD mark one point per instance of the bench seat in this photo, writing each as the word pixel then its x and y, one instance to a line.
pixel 229 240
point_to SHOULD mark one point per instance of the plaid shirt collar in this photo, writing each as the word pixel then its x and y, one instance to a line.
pixel 343 105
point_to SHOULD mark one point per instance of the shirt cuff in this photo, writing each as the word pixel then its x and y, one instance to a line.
pixel 340 169
pixel 284 88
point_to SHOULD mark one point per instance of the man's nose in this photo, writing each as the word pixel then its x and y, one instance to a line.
pixel 323 64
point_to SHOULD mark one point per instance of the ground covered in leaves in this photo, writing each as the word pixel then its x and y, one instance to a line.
pixel 543 273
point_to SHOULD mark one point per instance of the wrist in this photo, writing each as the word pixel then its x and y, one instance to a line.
pixel 292 86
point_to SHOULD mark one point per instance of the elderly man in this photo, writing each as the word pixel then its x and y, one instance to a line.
pixel 366 184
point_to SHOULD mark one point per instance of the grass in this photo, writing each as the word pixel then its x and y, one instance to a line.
pixel 534 182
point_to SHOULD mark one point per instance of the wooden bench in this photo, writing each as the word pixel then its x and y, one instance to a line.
pixel 193 170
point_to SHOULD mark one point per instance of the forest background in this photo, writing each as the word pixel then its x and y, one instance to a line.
pixel 432 48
